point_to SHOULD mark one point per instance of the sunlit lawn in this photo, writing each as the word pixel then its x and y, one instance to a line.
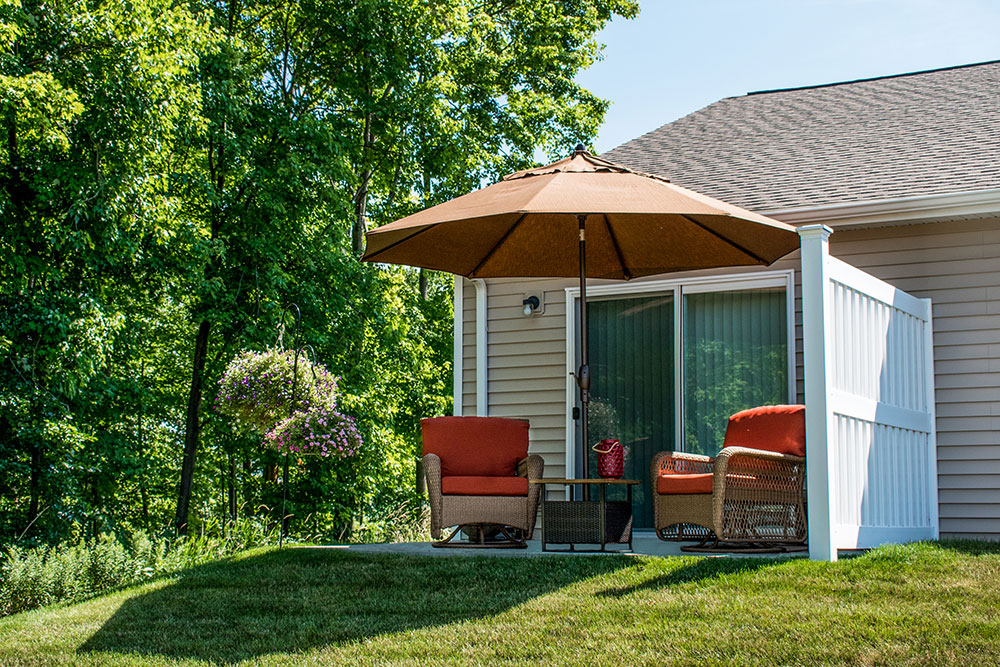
pixel 920 604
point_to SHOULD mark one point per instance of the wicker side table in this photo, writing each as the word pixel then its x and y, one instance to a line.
pixel 574 522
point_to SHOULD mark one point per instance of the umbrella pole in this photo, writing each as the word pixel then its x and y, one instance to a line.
pixel 583 374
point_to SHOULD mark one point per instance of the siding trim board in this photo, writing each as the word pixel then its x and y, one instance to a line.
pixel 482 340
pixel 900 210
pixel 458 319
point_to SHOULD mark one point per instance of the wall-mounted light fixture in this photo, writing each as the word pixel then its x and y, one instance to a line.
pixel 532 305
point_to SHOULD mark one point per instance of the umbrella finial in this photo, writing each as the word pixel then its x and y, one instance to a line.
pixel 580 148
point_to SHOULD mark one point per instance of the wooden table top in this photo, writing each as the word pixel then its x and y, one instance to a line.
pixel 583 481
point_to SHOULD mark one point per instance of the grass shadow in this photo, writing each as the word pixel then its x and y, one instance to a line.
pixel 703 569
pixel 299 599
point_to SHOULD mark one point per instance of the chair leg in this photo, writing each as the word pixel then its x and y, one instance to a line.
pixel 510 543
pixel 709 542
pixel 445 541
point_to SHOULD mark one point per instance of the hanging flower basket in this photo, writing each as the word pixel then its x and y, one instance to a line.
pixel 256 387
pixel 321 431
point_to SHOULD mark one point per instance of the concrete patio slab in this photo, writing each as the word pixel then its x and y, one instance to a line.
pixel 643 544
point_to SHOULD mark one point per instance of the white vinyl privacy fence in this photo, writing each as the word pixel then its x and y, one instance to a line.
pixel 869 391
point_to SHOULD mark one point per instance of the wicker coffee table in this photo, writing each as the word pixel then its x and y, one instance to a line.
pixel 572 522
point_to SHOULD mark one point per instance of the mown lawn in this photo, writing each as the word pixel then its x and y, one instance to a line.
pixel 927 604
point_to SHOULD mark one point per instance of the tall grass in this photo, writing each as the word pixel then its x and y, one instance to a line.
pixel 409 521
pixel 69 571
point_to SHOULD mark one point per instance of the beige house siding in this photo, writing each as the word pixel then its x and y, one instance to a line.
pixel 956 264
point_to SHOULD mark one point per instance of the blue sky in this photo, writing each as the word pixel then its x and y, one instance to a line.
pixel 681 55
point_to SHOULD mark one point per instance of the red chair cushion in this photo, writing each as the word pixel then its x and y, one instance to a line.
pixel 476 446
pixel 774 428
pixel 484 486
pixel 684 483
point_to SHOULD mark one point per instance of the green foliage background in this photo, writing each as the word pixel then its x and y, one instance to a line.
pixel 172 174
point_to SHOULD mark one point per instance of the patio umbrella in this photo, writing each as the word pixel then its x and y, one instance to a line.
pixel 581 216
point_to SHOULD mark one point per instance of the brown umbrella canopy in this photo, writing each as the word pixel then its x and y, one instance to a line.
pixel 527 225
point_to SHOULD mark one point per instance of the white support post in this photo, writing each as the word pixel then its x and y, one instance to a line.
pixel 814 241
pixel 482 326
pixel 932 482
pixel 457 357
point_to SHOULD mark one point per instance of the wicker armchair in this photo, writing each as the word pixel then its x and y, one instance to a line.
pixel 752 492
pixel 477 471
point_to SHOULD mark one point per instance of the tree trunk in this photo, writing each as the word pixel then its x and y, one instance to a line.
pixel 361 196
pixel 423 274
pixel 95 515
pixel 270 473
pixel 35 483
pixel 144 494
pixel 360 206
pixel 232 488
pixel 248 510
pixel 193 430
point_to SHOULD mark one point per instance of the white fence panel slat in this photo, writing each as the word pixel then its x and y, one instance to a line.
pixel 884 413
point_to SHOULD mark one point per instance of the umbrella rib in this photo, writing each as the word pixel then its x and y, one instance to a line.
pixel 396 243
pixel 497 245
pixel 618 250
pixel 725 240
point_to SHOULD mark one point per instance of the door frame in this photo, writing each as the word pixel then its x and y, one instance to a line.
pixel 678 287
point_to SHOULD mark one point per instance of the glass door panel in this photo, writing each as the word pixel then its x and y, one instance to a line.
pixel 632 386
pixel 735 357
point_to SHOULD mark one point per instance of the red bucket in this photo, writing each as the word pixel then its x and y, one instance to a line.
pixel 610 459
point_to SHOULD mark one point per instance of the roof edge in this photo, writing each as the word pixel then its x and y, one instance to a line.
pixel 872 78
pixel 919 208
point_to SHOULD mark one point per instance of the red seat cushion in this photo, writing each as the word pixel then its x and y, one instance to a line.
pixel 476 446
pixel 774 428
pixel 684 483
pixel 484 486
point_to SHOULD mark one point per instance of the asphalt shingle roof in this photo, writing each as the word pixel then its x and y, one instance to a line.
pixel 913 134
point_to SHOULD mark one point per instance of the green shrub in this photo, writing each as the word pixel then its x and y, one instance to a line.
pixel 27 582
pixel 70 571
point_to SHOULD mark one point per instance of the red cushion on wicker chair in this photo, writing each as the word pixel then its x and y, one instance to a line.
pixel 773 428
pixel 476 446
pixel 484 486
pixel 684 483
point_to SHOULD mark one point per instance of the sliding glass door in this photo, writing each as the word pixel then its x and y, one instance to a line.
pixel 733 355
pixel 632 380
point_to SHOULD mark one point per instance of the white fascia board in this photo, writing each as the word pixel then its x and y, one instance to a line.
pixel 899 210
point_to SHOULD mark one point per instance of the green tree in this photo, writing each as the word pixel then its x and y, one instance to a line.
pixel 173 174
pixel 93 98
pixel 324 110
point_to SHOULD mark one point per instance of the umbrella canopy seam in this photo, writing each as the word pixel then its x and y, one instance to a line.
pixel 371 257
pixel 745 251
pixel 614 241
pixel 510 230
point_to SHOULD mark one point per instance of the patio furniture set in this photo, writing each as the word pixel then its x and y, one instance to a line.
pixel 586 217
pixel 480 477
